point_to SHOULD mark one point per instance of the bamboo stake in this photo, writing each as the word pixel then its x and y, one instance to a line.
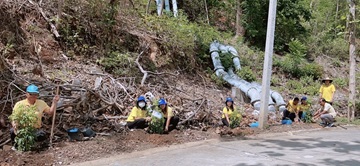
pixel 53 120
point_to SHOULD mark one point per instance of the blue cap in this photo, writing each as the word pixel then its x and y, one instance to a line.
pixel 162 102
pixel 304 98
pixel 141 98
pixel 229 99
pixel 32 89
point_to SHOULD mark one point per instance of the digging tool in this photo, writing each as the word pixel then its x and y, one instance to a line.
pixel 337 125
pixel 53 120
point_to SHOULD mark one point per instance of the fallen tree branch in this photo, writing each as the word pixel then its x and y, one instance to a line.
pixel 195 112
pixel 4 143
pixel 145 72
pixel 141 68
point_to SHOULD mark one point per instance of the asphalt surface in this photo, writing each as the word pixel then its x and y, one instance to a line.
pixel 333 146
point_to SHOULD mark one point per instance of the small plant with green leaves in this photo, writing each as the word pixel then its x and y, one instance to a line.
pixel 156 126
pixel 226 60
pixel 235 119
pixel 308 116
pixel 341 82
pixel 247 74
pixel 25 118
pixel 218 81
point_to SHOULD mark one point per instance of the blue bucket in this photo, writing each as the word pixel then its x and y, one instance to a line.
pixel 286 122
pixel 73 134
pixel 254 124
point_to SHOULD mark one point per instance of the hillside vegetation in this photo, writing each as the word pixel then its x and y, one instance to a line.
pixel 311 39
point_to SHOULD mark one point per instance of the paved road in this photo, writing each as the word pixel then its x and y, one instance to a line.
pixel 328 147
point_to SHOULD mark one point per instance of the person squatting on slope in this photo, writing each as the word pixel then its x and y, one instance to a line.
pixel 227 111
pixel 304 108
pixel 138 118
pixel 32 93
pixel 171 121
pixel 326 113
pixel 292 110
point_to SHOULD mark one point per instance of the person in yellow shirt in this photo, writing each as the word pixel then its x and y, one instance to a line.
pixel 304 107
pixel 138 118
pixel 32 93
pixel 171 121
pixel 327 90
pixel 227 111
pixel 292 109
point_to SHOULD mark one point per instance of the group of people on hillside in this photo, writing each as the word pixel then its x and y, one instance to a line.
pixel 295 108
pixel 140 117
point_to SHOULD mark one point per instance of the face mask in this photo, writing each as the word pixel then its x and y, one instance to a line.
pixel 141 104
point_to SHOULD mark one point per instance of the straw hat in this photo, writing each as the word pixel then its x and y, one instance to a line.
pixel 327 79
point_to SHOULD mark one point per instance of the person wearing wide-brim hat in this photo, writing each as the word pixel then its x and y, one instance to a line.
pixel 327 90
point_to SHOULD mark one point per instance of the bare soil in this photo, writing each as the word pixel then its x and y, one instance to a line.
pixel 65 153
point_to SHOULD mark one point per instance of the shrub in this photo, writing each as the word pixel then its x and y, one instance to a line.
pixel 341 82
pixel 306 85
pixel 247 74
pixel 227 60
pixel 25 118
pixel 118 63
pixel 156 126
pixel 182 38
pixel 311 69
pixel 308 116
pixel 235 119
pixel 218 80
pixel 295 64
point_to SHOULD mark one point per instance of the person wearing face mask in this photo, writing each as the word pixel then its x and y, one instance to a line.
pixel 138 118
pixel 168 113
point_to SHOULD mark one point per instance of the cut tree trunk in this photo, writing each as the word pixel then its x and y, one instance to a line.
pixel 352 59
pixel 239 28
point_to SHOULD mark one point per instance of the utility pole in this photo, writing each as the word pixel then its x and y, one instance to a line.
pixel 265 92
pixel 352 59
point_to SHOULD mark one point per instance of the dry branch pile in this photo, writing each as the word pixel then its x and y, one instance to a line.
pixel 89 96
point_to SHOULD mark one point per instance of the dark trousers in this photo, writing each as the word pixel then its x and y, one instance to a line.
pixel 225 122
pixel 40 135
pixel 138 124
pixel 289 115
pixel 173 122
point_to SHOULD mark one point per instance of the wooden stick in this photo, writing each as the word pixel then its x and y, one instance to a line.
pixel 4 143
pixel 53 120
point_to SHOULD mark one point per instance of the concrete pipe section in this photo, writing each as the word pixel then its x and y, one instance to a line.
pixel 251 90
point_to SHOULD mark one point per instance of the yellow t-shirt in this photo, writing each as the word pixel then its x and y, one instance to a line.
pixel 291 107
pixel 327 91
pixel 228 111
pixel 136 113
pixel 304 107
pixel 170 113
pixel 41 108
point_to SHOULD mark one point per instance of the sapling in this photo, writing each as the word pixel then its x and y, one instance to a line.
pixel 235 119
pixel 308 116
pixel 156 125
pixel 25 118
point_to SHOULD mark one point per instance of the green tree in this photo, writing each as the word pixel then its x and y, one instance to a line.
pixel 290 14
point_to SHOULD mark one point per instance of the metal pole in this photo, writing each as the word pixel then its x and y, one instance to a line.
pixel 267 64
